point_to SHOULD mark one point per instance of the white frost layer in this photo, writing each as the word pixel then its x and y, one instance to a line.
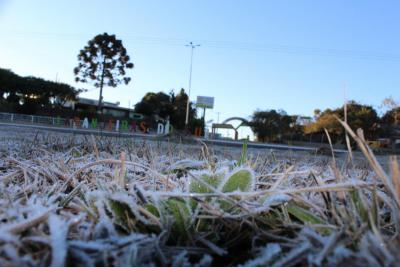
pixel 59 232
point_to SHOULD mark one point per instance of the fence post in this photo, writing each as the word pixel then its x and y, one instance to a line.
pixel 32 118
pixel 53 121
pixel 12 117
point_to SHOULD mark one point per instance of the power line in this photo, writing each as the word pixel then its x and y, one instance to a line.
pixel 232 45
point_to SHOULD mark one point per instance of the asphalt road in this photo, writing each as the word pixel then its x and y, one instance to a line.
pixel 218 142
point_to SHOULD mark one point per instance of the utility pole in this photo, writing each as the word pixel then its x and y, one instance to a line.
pixel 217 120
pixel 192 46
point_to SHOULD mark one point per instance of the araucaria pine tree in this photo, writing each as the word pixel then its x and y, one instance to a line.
pixel 103 61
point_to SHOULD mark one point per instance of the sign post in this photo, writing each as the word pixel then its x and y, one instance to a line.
pixel 205 102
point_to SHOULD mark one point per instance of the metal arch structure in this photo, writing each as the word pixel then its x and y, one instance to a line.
pixel 244 121
pixel 226 125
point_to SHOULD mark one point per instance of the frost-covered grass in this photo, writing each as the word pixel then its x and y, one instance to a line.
pixel 87 201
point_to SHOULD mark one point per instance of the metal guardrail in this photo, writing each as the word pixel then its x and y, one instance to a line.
pixel 53 121
pixel 23 118
pixel 118 126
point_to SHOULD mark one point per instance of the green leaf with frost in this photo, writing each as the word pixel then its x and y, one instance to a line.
pixel 204 183
pixel 210 179
pixel 152 209
pixel 121 211
pixel 303 215
pixel 181 216
pixel 306 217
pixel 241 179
pixel 362 209
pixel 186 164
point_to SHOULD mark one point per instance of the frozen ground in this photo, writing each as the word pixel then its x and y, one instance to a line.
pixel 73 200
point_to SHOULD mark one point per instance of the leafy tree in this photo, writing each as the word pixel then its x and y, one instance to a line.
pixel 270 125
pixel 392 117
pixel 155 104
pixel 326 120
pixel 9 84
pixel 165 106
pixel 179 103
pixel 390 122
pixel 296 129
pixel 30 94
pixel 358 116
pixel 104 61
pixel 361 116
pixel 389 104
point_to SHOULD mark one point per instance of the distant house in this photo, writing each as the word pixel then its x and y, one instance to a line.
pixel 304 120
pixel 108 108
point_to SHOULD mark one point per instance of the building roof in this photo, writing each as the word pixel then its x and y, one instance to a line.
pixel 105 104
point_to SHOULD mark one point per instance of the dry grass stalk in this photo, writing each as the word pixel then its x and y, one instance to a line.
pixel 395 170
pixel 375 165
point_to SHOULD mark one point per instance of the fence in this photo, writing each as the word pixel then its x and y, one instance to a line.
pixel 65 123
pixel 92 124
pixel 22 118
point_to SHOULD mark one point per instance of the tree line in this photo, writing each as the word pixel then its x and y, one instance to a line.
pixel 31 95
pixel 278 126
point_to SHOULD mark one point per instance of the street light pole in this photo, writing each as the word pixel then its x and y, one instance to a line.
pixel 192 46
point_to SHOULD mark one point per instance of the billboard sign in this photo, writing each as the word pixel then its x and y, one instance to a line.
pixel 205 102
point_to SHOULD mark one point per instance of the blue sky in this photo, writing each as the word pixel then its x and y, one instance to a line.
pixel 292 55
